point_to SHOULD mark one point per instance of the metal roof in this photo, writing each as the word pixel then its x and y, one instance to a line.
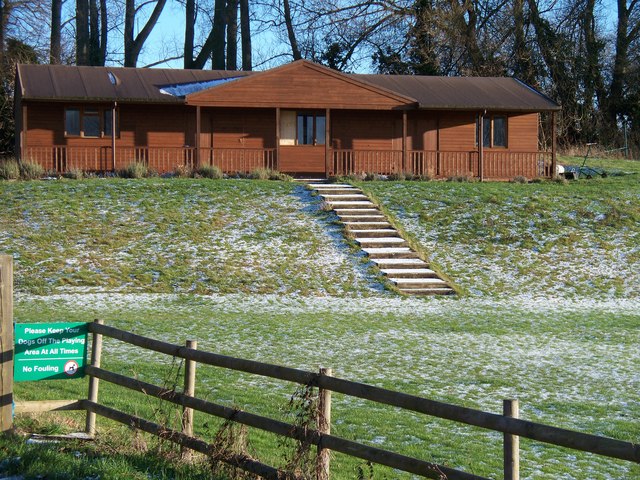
pixel 62 82
pixel 154 85
pixel 465 93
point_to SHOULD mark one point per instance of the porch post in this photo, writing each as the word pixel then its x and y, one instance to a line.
pixel 481 146
pixel 438 156
pixel 553 144
pixel 277 162
pixel 405 161
pixel 113 136
pixel 327 143
pixel 23 134
pixel 198 130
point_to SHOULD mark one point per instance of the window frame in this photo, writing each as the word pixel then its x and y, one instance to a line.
pixel 314 115
pixel 489 119
pixel 102 113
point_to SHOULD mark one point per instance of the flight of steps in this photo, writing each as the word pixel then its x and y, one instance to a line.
pixel 380 241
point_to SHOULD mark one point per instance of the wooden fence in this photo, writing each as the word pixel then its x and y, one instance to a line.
pixel 508 424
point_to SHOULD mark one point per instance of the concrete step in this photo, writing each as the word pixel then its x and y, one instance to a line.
pixel 429 291
pixel 389 252
pixel 382 242
pixel 386 263
pixel 355 218
pixel 412 283
pixel 358 211
pixel 352 225
pixel 338 191
pixel 317 186
pixel 350 197
pixel 409 273
pixel 374 233
pixel 350 204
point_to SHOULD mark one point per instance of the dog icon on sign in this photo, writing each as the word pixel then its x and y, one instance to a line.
pixel 71 368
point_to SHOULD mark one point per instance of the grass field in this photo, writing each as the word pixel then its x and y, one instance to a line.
pixel 550 315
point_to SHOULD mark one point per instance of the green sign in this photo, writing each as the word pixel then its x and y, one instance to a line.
pixel 47 351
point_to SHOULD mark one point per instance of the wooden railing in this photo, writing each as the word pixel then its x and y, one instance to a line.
pixel 439 164
pixel 507 165
pixel 434 164
pixel 507 423
pixel 61 159
pixel 355 162
pixel 243 160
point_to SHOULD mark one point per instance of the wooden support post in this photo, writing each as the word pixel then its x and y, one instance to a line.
pixel 189 390
pixel 94 383
pixel 324 426
pixel 405 160
pixel 327 143
pixel 6 343
pixel 113 136
pixel 481 146
pixel 510 408
pixel 553 145
pixel 277 162
pixel 198 131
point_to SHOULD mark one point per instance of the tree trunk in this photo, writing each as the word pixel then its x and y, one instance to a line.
pixel 217 34
pixel 104 31
pixel 189 32
pixel 615 102
pixel 232 34
pixel 295 50
pixel 55 50
pixel 523 67
pixel 82 32
pixel 245 32
pixel 133 46
pixel 94 33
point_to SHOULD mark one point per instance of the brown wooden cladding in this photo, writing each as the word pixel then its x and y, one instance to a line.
pixel 302 159
pixel 238 128
pixel 301 85
pixel 356 130
pixel 140 126
pixel 522 131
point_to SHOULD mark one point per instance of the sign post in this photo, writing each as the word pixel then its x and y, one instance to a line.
pixel 50 351
pixel 6 343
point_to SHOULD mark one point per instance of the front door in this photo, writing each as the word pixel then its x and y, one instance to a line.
pixel 302 142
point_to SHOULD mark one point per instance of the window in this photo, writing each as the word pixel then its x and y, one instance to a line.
pixel 499 131
pixel 494 130
pixel 72 122
pixel 89 122
pixel 107 120
pixel 311 129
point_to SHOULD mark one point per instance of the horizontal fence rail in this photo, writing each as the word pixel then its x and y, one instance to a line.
pixel 604 446
pixel 313 437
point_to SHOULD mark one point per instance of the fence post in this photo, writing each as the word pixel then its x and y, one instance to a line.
pixel 189 390
pixel 96 355
pixel 6 343
pixel 324 426
pixel 510 408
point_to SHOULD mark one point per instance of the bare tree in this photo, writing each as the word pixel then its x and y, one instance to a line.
pixel 133 43
pixel 245 33
pixel 232 34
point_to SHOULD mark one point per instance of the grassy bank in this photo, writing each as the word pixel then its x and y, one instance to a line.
pixel 255 270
